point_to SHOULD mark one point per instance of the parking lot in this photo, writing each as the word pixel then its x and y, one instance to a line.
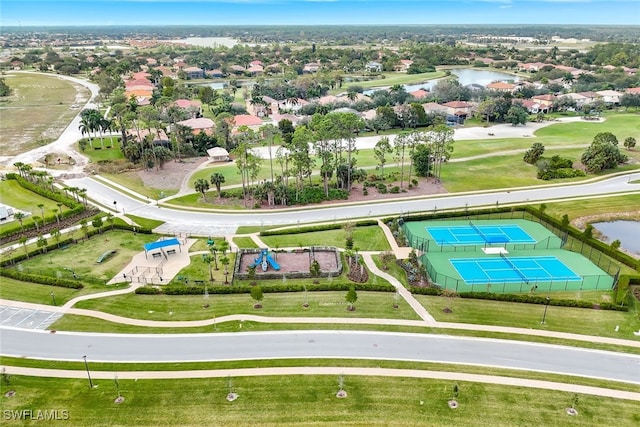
pixel 27 318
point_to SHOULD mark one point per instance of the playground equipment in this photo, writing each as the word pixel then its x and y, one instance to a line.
pixel 264 260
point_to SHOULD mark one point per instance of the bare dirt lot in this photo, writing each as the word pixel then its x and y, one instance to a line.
pixel 171 175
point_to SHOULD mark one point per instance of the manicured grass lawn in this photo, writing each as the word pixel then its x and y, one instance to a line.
pixel 132 181
pixel 563 319
pixel 38 110
pixel 96 153
pixel 490 173
pixel 621 125
pixel 22 199
pixel 145 222
pixel 82 257
pixel 310 400
pixel 202 245
pixel 599 206
pixel 36 293
pixel 199 270
pixel 245 242
pixel 369 238
pixel 189 307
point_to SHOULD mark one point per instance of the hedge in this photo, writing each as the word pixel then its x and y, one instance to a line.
pixel 44 192
pixel 245 289
pixel 43 280
pixel 522 298
pixel 312 228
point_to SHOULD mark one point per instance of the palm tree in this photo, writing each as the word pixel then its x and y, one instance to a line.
pixel 217 179
pixel 41 206
pixel 36 221
pixel 269 132
pixel 55 233
pixel 23 242
pixel 225 261
pixel 202 185
pixel 56 212
pixel 19 216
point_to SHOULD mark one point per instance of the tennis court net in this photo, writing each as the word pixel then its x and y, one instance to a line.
pixel 512 265
pixel 479 232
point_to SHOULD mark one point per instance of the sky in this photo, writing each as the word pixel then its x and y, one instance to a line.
pixel 316 12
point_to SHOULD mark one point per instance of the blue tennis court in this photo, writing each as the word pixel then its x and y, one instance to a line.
pixel 472 234
pixel 513 269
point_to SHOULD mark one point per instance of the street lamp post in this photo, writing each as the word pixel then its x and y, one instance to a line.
pixel 544 314
pixel 53 297
pixel 115 206
pixel 86 365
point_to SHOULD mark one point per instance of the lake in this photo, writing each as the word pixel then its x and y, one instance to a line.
pixel 466 76
pixel 628 232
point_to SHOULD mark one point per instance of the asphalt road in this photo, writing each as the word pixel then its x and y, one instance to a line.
pixel 106 196
pixel 320 344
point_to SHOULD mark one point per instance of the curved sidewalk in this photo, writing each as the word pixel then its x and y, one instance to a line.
pixel 315 370
pixel 323 320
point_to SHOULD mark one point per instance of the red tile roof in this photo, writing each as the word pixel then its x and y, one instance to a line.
pixel 246 120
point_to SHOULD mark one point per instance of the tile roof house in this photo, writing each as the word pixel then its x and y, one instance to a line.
pixel 255 69
pixel 458 108
pixel 194 72
pixel 159 135
pixel 532 67
pixel 531 106
pixel 373 67
pixel 279 117
pixel 403 65
pixel 502 86
pixel 215 73
pixel 328 99
pixel 311 67
pixel 633 90
pixel 610 96
pixel 545 100
pixel 419 94
pixel 252 122
pixel 193 107
pixel 434 108
pixel 198 125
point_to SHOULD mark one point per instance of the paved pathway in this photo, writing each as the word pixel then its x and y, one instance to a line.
pixel 334 371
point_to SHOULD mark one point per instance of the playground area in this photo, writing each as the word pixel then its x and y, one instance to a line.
pixel 289 263
pixel 505 255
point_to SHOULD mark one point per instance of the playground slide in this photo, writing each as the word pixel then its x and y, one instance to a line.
pixel 273 262
pixel 264 254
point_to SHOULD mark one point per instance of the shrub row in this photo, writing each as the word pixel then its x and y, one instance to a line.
pixel 522 298
pixel 537 299
pixel 245 289
pixel 43 280
pixel 44 192
pixel 312 228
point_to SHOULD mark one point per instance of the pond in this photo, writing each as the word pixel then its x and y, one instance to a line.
pixel 628 232
pixel 466 76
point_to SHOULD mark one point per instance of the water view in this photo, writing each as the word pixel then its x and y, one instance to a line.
pixel 628 232
pixel 466 76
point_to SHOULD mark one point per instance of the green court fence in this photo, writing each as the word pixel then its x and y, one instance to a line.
pixel 444 281
pixel 561 239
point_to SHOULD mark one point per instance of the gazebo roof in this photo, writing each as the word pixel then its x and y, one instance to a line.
pixel 161 244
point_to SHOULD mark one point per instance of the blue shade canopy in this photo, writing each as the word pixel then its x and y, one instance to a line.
pixel 160 244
